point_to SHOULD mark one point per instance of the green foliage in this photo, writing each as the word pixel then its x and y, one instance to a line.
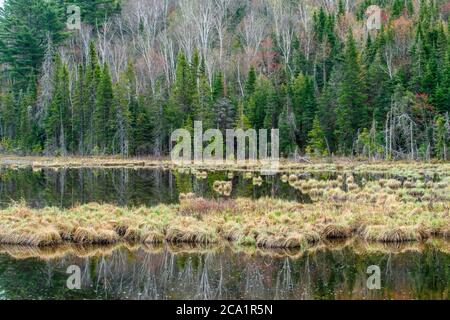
pixel 442 137
pixel 351 111
pixel 317 143
pixel 322 101
pixel 26 26
pixel 94 12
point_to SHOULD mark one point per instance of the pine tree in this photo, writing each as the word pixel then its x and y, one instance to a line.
pixel 92 80
pixel 351 112
pixel 79 124
pixel 204 100
pixel 379 90
pixel 121 120
pixel 316 137
pixel 25 27
pixel 257 105
pixel 442 95
pixel 271 110
pixel 287 136
pixel 304 106
pixel 103 115
pixel 180 101
pixel 442 136
pixel 28 130
pixel 96 12
pixel 250 83
pixel 218 90
pixel 58 119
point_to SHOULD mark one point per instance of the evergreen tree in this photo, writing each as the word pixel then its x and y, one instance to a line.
pixel 379 90
pixel 304 107
pixel 317 143
pixel 442 136
pixel 25 28
pixel 351 111
pixel 251 82
pixel 58 119
pixel 96 12
pixel 218 90
pixel 103 115
pixel 257 105
pixel 180 102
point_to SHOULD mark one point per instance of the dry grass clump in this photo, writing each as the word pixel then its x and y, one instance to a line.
pixel 394 233
pixel 186 196
pixel 201 206
pixel 336 231
pixel 257 181
pixel 223 188
pixel 189 230
pixel 393 184
pixel 266 222
pixel 284 241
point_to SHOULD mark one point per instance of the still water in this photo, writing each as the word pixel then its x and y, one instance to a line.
pixel 123 186
pixel 328 272
pixel 140 186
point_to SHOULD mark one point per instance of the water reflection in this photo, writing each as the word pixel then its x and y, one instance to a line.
pixel 413 271
pixel 123 186
pixel 68 187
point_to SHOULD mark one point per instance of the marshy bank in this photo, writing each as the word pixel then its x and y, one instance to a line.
pixel 266 222
pixel 376 202
pixel 154 231
pixel 285 165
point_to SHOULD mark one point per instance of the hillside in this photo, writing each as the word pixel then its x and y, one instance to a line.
pixel 137 70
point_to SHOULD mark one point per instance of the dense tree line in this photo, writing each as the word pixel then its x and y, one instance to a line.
pixel 140 69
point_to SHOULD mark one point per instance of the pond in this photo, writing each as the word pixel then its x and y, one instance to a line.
pixel 68 187
pixel 325 271
pixel 328 272
pixel 123 186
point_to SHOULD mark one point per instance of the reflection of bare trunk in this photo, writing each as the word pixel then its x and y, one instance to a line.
pixel 62 182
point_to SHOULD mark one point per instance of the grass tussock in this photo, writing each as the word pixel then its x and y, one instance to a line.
pixel 265 223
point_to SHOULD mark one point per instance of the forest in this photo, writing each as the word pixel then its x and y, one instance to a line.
pixel 139 69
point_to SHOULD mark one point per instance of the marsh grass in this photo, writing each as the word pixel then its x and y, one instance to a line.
pixel 267 222
pixel 394 209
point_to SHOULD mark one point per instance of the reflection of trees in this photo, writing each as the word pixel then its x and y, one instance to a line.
pixel 139 274
pixel 254 285
pixel 284 281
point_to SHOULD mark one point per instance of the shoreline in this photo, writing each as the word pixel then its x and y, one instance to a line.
pixel 286 165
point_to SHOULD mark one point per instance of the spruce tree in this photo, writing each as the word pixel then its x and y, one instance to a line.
pixel 351 111
pixel 103 115
pixel 25 28
pixel 316 139
pixel 250 83
pixel 58 120
pixel 304 106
